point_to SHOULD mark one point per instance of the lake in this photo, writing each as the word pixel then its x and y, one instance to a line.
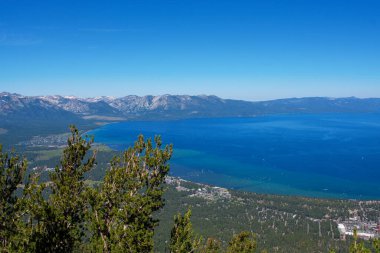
pixel 319 155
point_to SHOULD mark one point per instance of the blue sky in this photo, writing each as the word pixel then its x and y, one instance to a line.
pixel 252 50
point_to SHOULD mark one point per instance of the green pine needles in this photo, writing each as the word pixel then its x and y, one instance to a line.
pixel 182 238
pixel 121 209
pixel 65 214
pixel 12 169
pixel 55 210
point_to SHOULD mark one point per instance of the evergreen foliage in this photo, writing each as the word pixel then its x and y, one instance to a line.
pixel 358 247
pixel 122 208
pixel 55 211
pixel 376 245
pixel 243 242
pixel 212 246
pixel 12 169
pixel 182 238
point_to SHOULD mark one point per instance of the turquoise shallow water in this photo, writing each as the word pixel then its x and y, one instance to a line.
pixel 321 155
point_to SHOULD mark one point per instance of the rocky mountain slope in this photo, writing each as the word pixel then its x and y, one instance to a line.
pixel 175 106
pixel 22 117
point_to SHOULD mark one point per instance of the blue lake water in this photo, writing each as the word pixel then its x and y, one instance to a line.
pixel 321 155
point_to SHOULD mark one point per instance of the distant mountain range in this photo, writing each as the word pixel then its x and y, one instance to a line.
pixel 25 116
pixel 172 106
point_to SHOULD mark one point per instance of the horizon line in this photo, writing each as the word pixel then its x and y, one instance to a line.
pixel 193 95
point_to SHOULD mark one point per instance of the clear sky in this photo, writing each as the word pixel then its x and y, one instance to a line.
pixel 252 50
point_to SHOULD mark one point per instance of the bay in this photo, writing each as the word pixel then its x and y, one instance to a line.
pixel 315 155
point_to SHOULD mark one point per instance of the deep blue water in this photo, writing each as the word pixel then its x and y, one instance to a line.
pixel 321 155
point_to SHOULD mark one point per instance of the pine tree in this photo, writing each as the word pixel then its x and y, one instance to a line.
pixel 376 245
pixel 212 246
pixel 55 210
pixel 358 247
pixel 12 170
pixel 244 242
pixel 182 238
pixel 122 208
